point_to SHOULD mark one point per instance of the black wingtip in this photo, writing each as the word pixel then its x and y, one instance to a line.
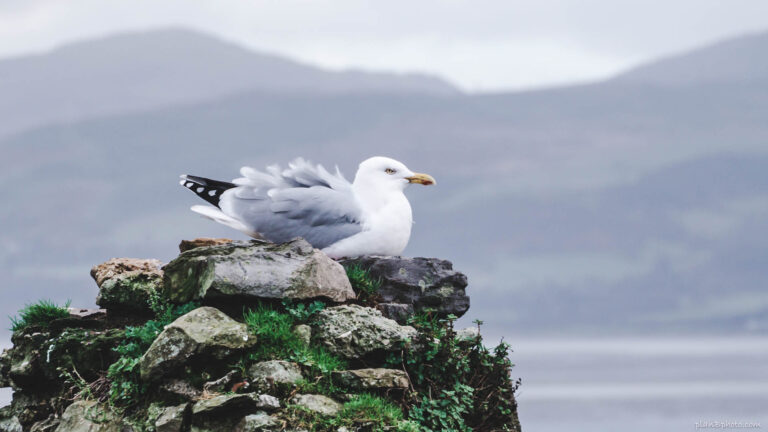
pixel 207 189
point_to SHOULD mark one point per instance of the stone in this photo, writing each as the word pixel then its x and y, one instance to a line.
pixel 274 373
pixel 23 371
pixel 9 423
pixel 173 419
pixel 90 351
pixel 178 390
pixel 424 283
pixel 225 383
pixel 80 318
pixel 48 425
pixel 126 284
pixel 256 270
pixel 354 331
pixel 204 332
pixel 88 416
pixel 5 368
pixel 247 403
pixel 372 379
pixel 304 332
pixel 28 408
pixel 399 312
pixel 468 336
pixel 267 402
pixel 186 245
pixel 258 422
pixel 317 403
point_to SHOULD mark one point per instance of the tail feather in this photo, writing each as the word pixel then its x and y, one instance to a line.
pixel 207 189
pixel 217 215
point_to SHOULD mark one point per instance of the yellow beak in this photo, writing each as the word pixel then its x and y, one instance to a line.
pixel 419 178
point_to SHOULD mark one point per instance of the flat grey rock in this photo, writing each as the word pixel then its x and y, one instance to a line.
pixel 354 331
pixel 256 270
pixel 317 403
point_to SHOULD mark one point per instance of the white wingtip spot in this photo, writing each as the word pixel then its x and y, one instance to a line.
pixel 212 192
pixel 189 185
pixel 181 182
pixel 200 190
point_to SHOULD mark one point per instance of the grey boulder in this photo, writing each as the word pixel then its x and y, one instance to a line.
pixel 372 379
pixel 317 403
pixel 203 332
pixel 234 403
pixel 173 419
pixel 271 373
pixel 88 416
pixel 260 421
pixel 354 331
pixel 256 270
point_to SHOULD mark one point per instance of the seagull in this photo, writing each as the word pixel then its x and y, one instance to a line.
pixel 370 216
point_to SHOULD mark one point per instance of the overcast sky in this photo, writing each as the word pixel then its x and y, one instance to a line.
pixel 478 44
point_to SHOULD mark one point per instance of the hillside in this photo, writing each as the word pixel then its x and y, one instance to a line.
pixel 616 206
pixel 739 60
pixel 139 71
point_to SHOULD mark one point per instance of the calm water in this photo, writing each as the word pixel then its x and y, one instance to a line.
pixel 636 384
pixel 640 384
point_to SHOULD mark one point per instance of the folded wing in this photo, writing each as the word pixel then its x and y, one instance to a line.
pixel 303 200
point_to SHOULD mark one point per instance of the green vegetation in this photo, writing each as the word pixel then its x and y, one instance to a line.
pixel 366 287
pixel 303 312
pixel 126 385
pixel 362 409
pixel 278 341
pixel 460 386
pixel 40 314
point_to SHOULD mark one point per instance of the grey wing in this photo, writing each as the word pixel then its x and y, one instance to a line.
pixel 301 201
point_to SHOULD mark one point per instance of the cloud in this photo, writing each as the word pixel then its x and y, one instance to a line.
pixel 481 45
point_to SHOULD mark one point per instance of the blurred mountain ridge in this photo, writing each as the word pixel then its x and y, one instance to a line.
pixel 621 206
pixel 146 70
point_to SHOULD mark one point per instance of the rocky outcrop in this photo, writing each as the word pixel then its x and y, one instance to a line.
pixel 372 379
pixel 354 331
pixel 416 284
pixel 204 333
pixel 126 284
pixel 253 336
pixel 256 270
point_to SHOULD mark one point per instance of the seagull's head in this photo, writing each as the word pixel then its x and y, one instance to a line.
pixel 388 174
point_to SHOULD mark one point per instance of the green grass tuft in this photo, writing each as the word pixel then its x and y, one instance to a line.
pixel 363 409
pixel 366 287
pixel 277 341
pixel 40 313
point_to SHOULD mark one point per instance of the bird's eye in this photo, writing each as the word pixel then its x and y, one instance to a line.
pixel 389 171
